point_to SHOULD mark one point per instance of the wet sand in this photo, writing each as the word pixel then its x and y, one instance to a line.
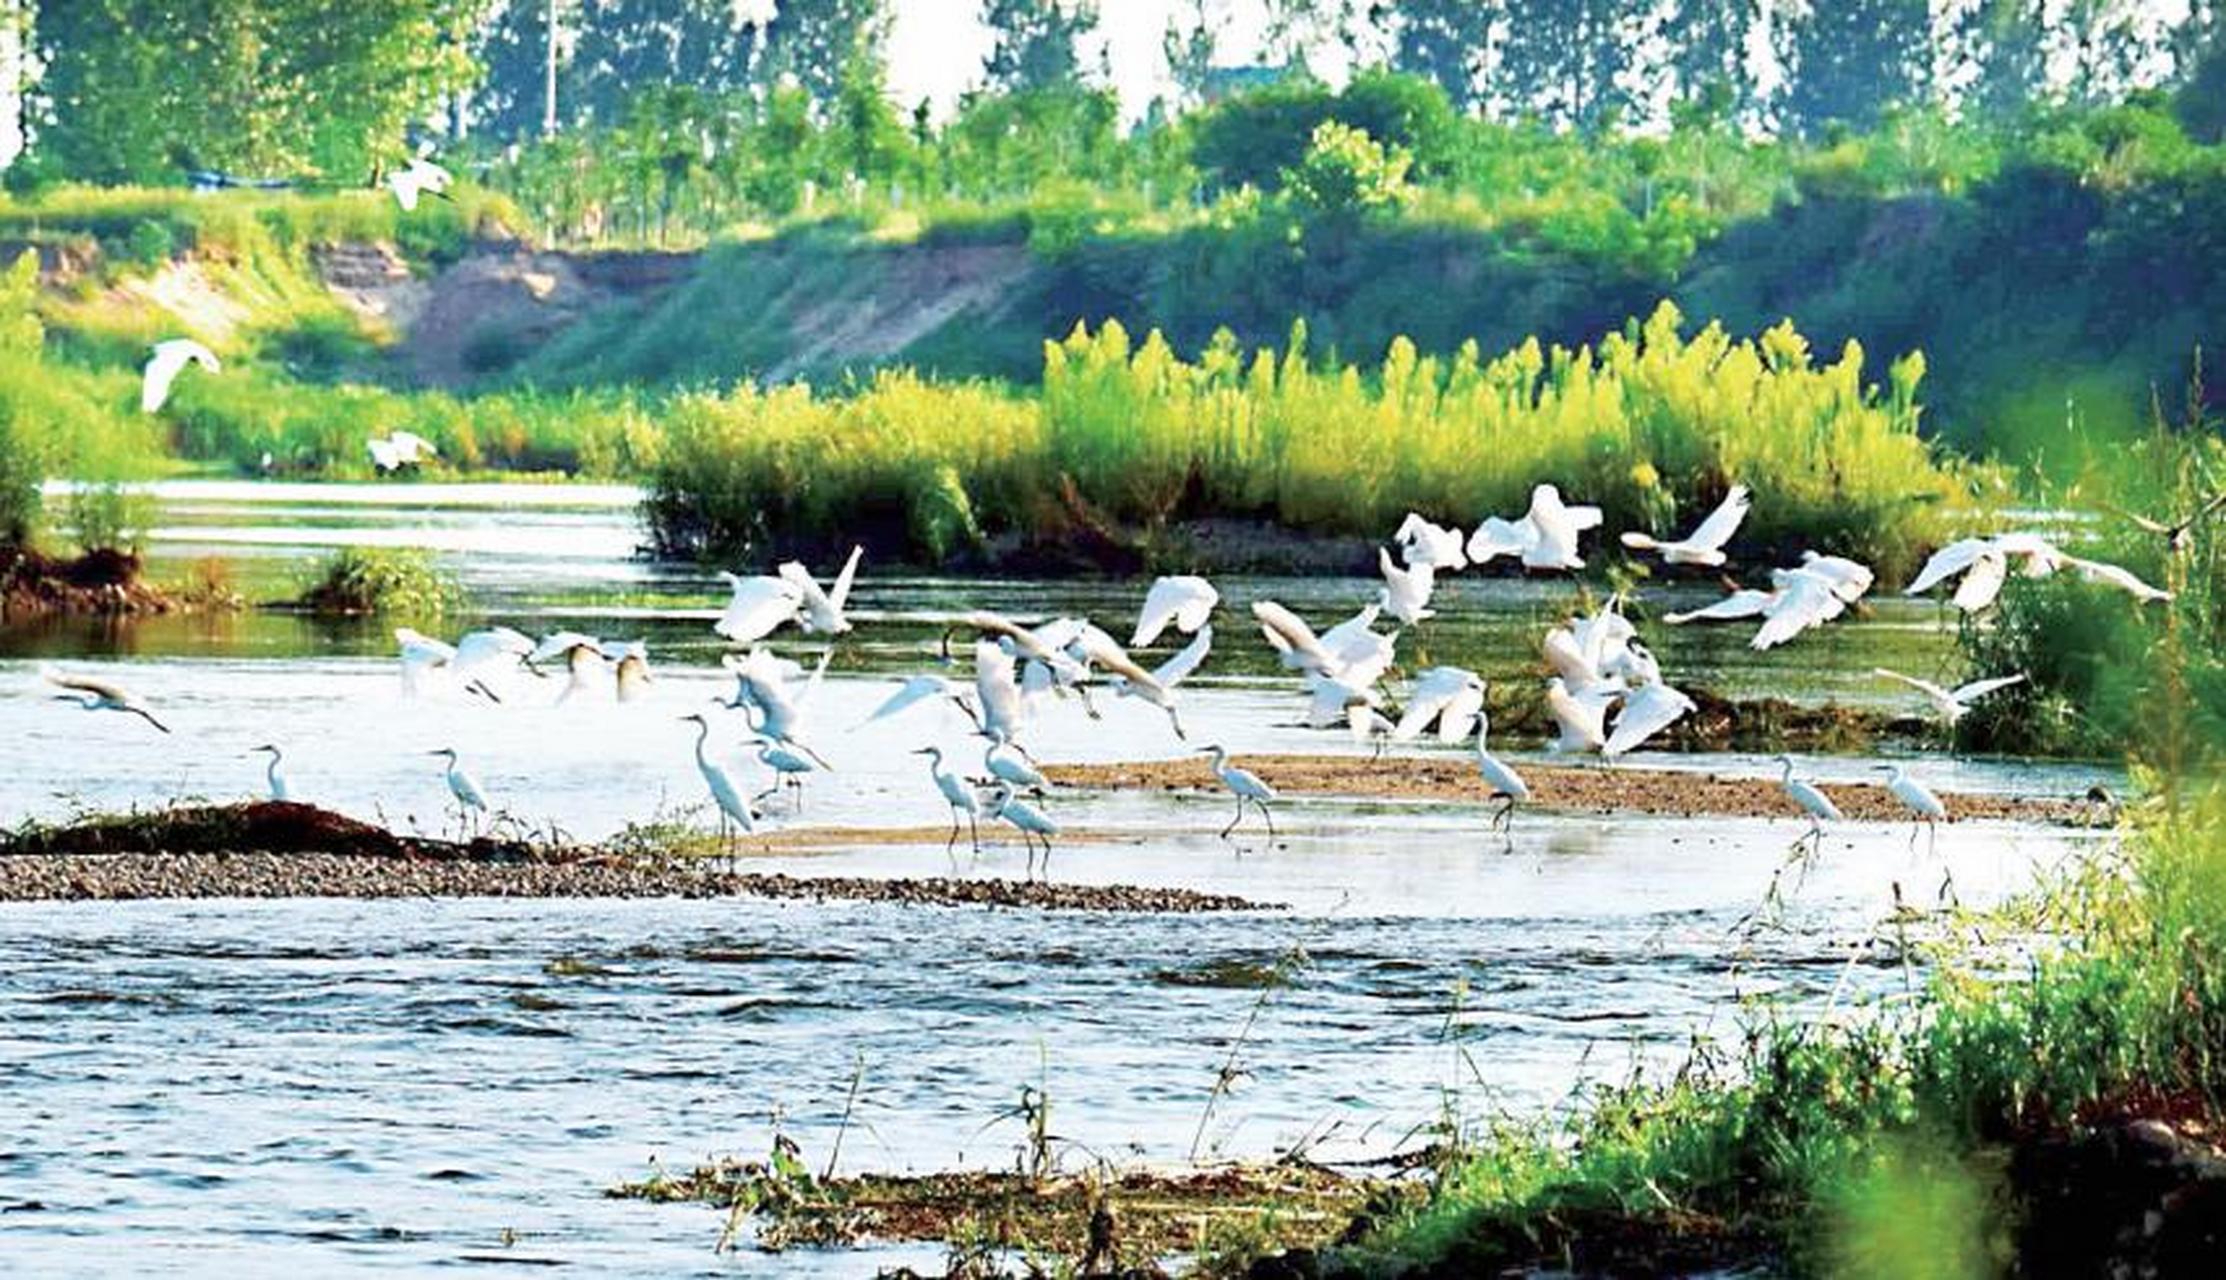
pixel 1598 789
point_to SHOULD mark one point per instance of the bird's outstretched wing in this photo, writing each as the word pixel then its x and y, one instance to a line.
pixel 1721 523
pixel 839 594
pixel 1743 603
pixel 1501 537
pixel 757 607
pixel 1945 563
pixel 1178 668
pixel 1976 689
pixel 1646 711
pixel 1925 687
pixel 85 684
pixel 2118 576
pixel 1982 581
pixel 1185 601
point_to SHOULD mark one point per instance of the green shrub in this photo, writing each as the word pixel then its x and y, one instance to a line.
pixel 397 580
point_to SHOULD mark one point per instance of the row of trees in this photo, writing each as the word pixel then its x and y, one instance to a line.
pixel 138 89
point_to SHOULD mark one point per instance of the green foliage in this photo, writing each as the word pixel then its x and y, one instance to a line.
pixel 1346 175
pixel 1647 423
pixel 398 580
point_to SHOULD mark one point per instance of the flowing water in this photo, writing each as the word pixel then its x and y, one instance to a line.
pixel 374 1085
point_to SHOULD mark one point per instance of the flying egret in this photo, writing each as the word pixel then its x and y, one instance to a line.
pixel 1425 544
pixel 734 808
pixel 100 695
pixel 583 659
pixel 1984 566
pixel 1952 704
pixel 1160 689
pixel 1743 602
pixel 1244 785
pixel 1647 710
pixel 1029 821
pixel 757 607
pixel 1580 716
pixel 630 659
pixel 420 653
pixel 1406 592
pixel 471 802
pixel 1810 596
pixel 1917 798
pixel 957 795
pixel 1188 602
pixel 1705 544
pixel 1506 784
pixel 1809 798
pixel 790 762
pixel 163 367
pixel 279 790
pixel 420 177
pixel 1543 538
pixel 822 611
pixel 775 689
pixel 913 690
pixel 997 690
pixel 2124 579
pixel 2178 534
pixel 1451 696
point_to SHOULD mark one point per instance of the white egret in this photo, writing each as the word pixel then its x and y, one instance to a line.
pixel 275 774
pixel 1808 597
pixel 1160 689
pixel 1244 785
pixel 2178 534
pixel 1029 821
pixel 822 611
pixel 1370 728
pixel 1008 762
pixel 1952 704
pixel 1743 602
pixel 2123 579
pixel 1188 602
pixel 1580 715
pixel 1506 784
pixel 775 689
pixel 997 689
pixel 1647 710
pixel 957 795
pixel 1917 798
pixel 471 801
pixel 790 763
pixel 913 690
pixel 100 695
pixel 733 806
pixel 1451 696
pixel 583 660
pixel 400 449
pixel 420 653
pixel 1589 653
pixel 163 367
pixel 1544 538
pixel 630 659
pixel 1425 544
pixel 1809 798
pixel 1705 544
pixel 420 177
pixel 1406 593
pixel 757 607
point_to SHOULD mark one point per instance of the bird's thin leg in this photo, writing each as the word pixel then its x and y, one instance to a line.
pixel 1083 691
pixel 973 832
pixel 1047 857
pixel 952 843
pixel 1268 818
pixel 1234 821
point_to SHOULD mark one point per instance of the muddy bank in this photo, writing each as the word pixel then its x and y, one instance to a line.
pixel 33 584
pixel 1104 1223
pixel 273 850
pixel 1601 789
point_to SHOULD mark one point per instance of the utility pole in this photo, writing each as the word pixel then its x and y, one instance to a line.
pixel 548 72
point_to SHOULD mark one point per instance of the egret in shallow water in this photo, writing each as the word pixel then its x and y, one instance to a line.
pixel 1705 544
pixel 1029 821
pixel 279 790
pixel 1917 798
pixel 471 801
pixel 957 795
pixel 1008 763
pixel 790 762
pixel 1506 784
pixel 99 695
pixel 1811 800
pixel 1244 785
pixel 163 367
pixel 1952 704
pixel 734 808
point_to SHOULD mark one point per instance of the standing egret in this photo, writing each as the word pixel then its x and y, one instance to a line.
pixel 1705 544
pixel 420 177
pixel 733 807
pixel 277 776
pixel 1186 601
pixel 822 611
pixel 1029 821
pixel 400 449
pixel 99 695
pixel 1917 798
pixel 957 795
pixel 1812 801
pixel 1952 704
pixel 1647 710
pixel 163 367
pixel 471 802
pixel 1007 762
pixel 756 607
pixel 1244 785
pixel 789 761
pixel 1506 784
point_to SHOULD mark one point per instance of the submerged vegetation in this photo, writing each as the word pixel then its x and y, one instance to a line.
pixel 1653 425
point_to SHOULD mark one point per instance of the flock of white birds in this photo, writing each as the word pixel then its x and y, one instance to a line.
pixel 1606 693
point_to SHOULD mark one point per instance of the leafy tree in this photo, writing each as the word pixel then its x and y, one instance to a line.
pixel 1446 41
pixel 1566 60
pixel 1189 48
pixel 1850 59
pixel 813 41
pixel 2007 44
pixel 868 138
pixel 1708 56
pixel 1346 174
pixel 1035 42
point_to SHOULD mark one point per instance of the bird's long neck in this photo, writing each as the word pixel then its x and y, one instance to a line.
pixel 703 734
pixel 271 771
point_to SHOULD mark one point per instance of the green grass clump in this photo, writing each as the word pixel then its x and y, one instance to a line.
pixel 396 580
pixel 1651 424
